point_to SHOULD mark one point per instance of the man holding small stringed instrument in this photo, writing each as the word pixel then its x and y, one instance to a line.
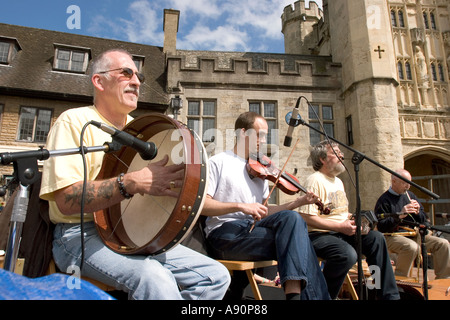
pixel 333 235
pixel 242 226
pixel 402 206
pixel 179 273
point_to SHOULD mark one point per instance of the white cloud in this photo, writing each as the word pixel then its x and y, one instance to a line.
pixel 142 26
pixel 263 16
pixel 234 25
pixel 223 38
pixel 229 25
pixel 145 25
pixel 200 8
pixel 224 25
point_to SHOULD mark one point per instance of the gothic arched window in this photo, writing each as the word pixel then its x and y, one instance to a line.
pixel 401 21
pixel 408 71
pixel 441 72
pixel 433 21
pixel 433 71
pixel 400 70
pixel 425 20
pixel 393 18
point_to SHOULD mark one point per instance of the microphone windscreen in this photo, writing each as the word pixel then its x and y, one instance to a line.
pixel 287 141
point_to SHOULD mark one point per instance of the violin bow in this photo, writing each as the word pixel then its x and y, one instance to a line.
pixel 276 181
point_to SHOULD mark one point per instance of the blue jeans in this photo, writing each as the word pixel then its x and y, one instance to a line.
pixel 340 255
pixel 180 273
pixel 282 236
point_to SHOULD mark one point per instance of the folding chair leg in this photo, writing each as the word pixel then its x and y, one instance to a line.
pixel 253 284
pixel 351 289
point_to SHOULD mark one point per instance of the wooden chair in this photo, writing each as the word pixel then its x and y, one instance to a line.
pixel 347 286
pixel 197 241
pixel 248 267
pixel 409 233
pixel 19 264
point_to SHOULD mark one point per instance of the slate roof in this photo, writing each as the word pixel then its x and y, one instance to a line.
pixel 31 72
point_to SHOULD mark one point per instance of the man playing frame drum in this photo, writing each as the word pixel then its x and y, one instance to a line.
pixel 179 273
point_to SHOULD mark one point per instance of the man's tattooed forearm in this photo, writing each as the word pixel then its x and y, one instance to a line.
pixel 106 189
pixel 75 196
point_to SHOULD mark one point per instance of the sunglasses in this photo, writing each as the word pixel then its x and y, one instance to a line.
pixel 128 72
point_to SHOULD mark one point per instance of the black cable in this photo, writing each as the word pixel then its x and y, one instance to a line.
pixel 83 193
pixel 329 141
pixel 346 169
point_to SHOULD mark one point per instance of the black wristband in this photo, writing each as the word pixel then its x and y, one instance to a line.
pixel 122 190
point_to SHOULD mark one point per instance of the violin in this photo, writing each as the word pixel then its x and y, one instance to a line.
pixel 259 165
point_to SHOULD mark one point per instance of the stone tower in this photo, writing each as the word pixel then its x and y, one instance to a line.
pixel 298 27
pixel 361 40
pixel 359 37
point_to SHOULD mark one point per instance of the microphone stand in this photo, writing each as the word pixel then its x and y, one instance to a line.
pixel 26 173
pixel 357 158
pixel 423 230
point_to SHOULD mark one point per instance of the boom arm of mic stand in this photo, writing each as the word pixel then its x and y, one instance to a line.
pixel 362 156
pixel 44 154
pixel 357 158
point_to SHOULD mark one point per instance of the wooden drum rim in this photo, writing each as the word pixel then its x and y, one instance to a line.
pixel 188 205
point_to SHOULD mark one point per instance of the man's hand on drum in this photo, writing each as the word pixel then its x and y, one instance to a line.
pixel 156 179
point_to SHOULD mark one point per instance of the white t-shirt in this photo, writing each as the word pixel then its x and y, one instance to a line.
pixel 332 193
pixel 229 181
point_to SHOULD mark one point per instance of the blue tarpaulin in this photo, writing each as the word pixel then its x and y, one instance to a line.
pixel 53 287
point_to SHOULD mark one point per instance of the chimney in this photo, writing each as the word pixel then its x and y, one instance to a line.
pixel 171 19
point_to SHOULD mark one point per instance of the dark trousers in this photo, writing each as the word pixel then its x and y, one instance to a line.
pixel 338 251
pixel 282 236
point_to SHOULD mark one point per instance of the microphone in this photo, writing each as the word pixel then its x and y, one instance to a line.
pixel 387 215
pixel 292 120
pixel 147 150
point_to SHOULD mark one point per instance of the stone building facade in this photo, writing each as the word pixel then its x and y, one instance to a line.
pixel 43 73
pixel 395 83
pixel 355 64
pixel 218 86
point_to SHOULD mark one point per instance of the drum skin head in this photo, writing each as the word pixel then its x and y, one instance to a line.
pixel 146 224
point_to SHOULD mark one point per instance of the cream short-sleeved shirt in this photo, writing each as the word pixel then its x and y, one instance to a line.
pixel 332 193
pixel 62 171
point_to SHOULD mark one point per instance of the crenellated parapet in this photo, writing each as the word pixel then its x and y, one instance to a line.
pixel 228 69
pixel 300 28
pixel 300 11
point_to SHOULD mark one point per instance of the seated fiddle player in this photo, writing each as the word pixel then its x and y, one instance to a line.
pixel 333 235
pixel 399 199
pixel 180 273
pixel 236 200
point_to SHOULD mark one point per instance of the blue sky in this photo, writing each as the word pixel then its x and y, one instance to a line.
pixel 228 25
